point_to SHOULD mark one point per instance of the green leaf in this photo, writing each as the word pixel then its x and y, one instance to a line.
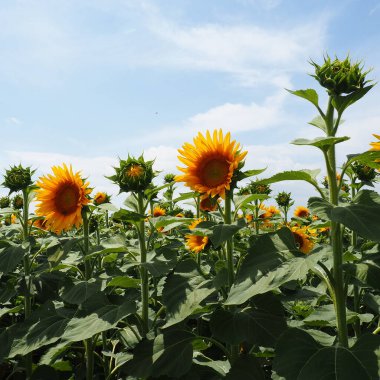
pixel 270 263
pixel 247 368
pixel 253 325
pixel 308 94
pixel 163 259
pixel 169 222
pixel 367 272
pixel 319 122
pixel 362 215
pixel 80 291
pixel 297 175
pixel 322 143
pixel 107 207
pixel 325 316
pixel 250 173
pixel 341 102
pixel 184 291
pixel 10 257
pixel 241 200
pixel 299 356
pixel 127 216
pixel 320 207
pixel 223 232
pixel 169 353
pixel 124 282
pixel 368 158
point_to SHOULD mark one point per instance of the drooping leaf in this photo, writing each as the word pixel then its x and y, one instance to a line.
pixel 169 353
pixel 124 282
pixel 299 356
pixel 223 232
pixel 10 257
pixel 184 291
pixel 245 367
pixel 341 102
pixel 319 122
pixel 320 207
pixel 272 260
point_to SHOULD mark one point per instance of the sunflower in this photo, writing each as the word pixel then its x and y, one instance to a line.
pixel 196 243
pixel 208 203
pixel 301 212
pixel 101 198
pixel 158 211
pixel 61 196
pixel 210 163
pixel 302 239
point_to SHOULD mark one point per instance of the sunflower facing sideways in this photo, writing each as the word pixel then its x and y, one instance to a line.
pixel 196 243
pixel 61 196
pixel 210 163
pixel 302 239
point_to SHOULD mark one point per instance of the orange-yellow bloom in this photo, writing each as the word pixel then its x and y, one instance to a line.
pixel 302 238
pixel 196 243
pixel 208 203
pixel 61 196
pixel 158 211
pixel 375 145
pixel 210 163
pixel 302 212
pixel 101 198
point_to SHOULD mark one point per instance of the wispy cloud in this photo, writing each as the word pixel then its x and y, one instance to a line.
pixel 13 120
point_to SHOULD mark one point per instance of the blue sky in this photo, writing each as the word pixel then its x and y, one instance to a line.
pixel 84 82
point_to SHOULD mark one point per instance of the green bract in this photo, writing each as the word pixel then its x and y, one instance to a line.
pixel 133 174
pixel 283 199
pixel 340 77
pixel 4 202
pixel 18 202
pixel 18 178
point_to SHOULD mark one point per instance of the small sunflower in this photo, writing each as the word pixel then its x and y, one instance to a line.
pixel 302 239
pixel 301 212
pixel 208 203
pixel 158 211
pixel 100 198
pixel 375 145
pixel 196 243
pixel 210 163
pixel 61 196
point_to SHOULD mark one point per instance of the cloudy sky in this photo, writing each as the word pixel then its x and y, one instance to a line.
pixel 87 81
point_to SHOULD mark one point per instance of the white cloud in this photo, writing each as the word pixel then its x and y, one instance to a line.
pixel 13 120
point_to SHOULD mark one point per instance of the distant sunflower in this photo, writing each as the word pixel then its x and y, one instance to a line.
pixel 158 211
pixel 301 212
pixel 303 241
pixel 61 196
pixel 210 163
pixel 101 198
pixel 196 243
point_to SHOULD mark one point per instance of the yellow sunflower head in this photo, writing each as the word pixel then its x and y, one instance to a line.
pixel 101 198
pixel 210 163
pixel 301 212
pixel 158 211
pixel 60 198
pixel 196 243
pixel 302 239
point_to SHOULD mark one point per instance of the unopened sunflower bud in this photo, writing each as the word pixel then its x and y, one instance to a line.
pixel 5 202
pixel 18 202
pixel 133 174
pixel 283 199
pixel 340 77
pixel 364 172
pixel 18 178
pixel 169 178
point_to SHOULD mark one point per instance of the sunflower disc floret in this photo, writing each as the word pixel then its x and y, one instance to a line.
pixel 61 197
pixel 211 163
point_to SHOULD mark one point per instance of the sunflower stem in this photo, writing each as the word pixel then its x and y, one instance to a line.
pixel 227 220
pixel 336 233
pixel 88 343
pixel 27 265
pixel 143 271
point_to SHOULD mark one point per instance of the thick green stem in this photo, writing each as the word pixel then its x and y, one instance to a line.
pixel 28 279
pixel 230 257
pixel 88 343
pixel 336 235
pixel 143 271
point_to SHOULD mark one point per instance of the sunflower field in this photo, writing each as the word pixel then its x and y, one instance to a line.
pixel 211 283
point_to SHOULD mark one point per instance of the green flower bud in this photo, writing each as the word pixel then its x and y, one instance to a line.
pixel 188 214
pixel 259 188
pixel 18 202
pixel 4 202
pixel 133 174
pixel 18 178
pixel 169 178
pixel 283 199
pixel 363 172
pixel 340 77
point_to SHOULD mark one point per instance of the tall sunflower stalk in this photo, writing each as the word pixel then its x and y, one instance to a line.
pixel 345 84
